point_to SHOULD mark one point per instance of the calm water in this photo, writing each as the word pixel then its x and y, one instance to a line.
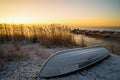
pixel 107 43
pixel 101 28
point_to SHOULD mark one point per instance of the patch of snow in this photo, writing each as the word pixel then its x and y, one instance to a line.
pixel 28 69
pixel 108 69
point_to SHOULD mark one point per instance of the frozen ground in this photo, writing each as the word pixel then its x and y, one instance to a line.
pixel 28 68
pixel 108 69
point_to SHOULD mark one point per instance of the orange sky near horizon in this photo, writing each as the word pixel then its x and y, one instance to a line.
pixel 68 12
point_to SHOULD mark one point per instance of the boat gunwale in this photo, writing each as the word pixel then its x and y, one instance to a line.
pixel 84 52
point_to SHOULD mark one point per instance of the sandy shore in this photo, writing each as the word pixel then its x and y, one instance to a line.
pixel 28 68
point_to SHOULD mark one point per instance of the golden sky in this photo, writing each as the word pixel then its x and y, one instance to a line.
pixel 70 12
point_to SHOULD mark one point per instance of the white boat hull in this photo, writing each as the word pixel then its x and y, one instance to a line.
pixel 71 60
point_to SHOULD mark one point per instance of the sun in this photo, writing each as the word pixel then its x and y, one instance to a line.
pixel 18 19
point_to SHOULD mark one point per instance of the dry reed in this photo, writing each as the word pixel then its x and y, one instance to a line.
pixel 12 53
pixel 51 35
pixel 42 53
pixel 1 55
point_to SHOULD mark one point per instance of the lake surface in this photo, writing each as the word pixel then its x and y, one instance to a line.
pixel 112 45
pixel 117 29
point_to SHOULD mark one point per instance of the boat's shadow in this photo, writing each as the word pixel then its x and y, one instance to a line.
pixel 80 71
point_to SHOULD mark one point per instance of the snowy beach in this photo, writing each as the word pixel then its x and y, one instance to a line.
pixel 59 39
pixel 28 68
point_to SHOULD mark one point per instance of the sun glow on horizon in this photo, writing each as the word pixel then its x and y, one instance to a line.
pixel 68 12
pixel 18 19
pixel 22 19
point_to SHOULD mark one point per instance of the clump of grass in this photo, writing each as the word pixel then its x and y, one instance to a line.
pixel 42 53
pixel 11 53
pixel 16 46
pixel 15 54
pixel 51 35
pixel 1 55
pixel 56 36
pixel 83 42
pixel 112 49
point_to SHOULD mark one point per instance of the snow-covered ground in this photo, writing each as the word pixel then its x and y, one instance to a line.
pixel 28 68
pixel 108 69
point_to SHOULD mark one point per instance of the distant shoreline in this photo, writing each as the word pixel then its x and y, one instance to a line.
pixel 97 33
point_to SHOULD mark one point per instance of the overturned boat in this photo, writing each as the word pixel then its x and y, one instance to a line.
pixel 71 60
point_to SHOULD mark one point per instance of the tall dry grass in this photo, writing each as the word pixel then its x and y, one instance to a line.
pixel 42 53
pixel 82 43
pixel 51 35
pixel 12 53
pixel 1 55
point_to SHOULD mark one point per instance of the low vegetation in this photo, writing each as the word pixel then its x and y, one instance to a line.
pixel 51 35
pixel 42 53
pixel 1 55
pixel 10 53
pixel 48 36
